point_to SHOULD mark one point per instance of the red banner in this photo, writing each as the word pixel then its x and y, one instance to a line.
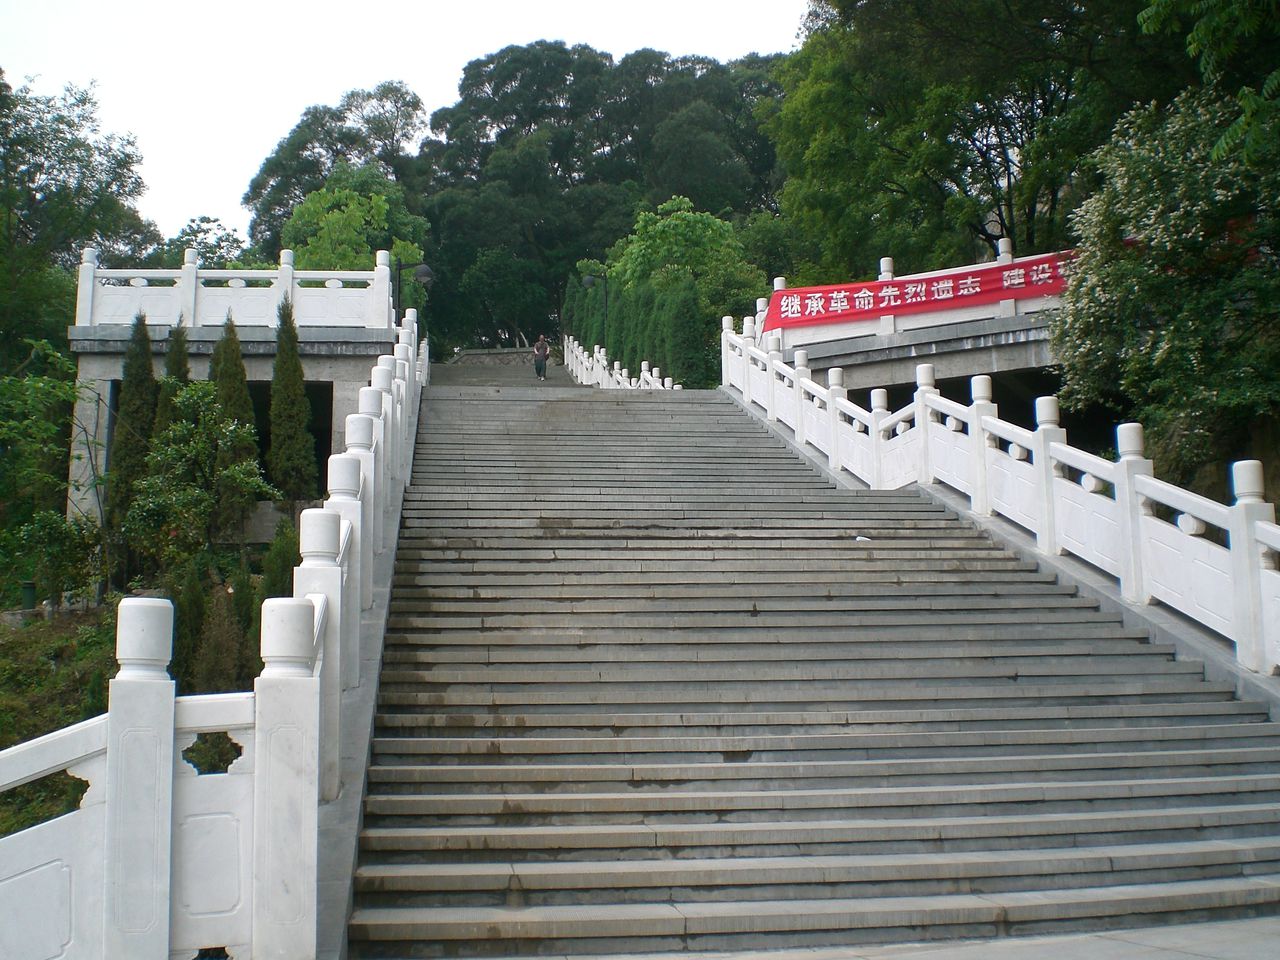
pixel 984 283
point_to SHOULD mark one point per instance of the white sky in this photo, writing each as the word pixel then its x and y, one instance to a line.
pixel 208 90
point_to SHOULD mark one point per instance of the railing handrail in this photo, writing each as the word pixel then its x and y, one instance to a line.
pixel 935 439
pixel 128 832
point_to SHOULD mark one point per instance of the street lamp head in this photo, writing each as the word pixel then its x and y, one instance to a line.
pixel 422 273
pixel 589 280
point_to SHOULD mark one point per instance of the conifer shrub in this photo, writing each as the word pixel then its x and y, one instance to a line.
pixel 135 419
pixel 291 458
pixel 177 374
pixel 231 389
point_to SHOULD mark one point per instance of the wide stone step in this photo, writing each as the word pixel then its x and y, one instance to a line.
pixel 845 745
pixel 596 656
pixel 755 878
pixel 582 588
pixel 701 675
pixel 950 800
pixel 995 829
pixel 760 775
pixel 789 723
pixel 735 925
pixel 811 696
pixel 555 608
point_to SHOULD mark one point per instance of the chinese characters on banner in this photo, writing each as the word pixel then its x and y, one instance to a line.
pixel 987 283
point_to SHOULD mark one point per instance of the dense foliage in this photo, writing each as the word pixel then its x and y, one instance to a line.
pixel 1173 311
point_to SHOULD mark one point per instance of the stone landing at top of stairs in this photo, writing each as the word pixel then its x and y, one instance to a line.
pixel 653 683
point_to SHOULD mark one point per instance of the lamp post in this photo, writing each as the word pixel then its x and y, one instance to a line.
pixel 421 273
pixel 588 281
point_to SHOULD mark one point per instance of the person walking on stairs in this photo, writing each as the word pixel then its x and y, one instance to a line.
pixel 540 351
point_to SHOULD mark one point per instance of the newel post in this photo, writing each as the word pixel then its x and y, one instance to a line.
pixel 726 355
pixel 1246 565
pixel 139 807
pixel 189 284
pixel 382 378
pixel 775 358
pixel 371 406
pixel 87 286
pixel 835 392
pixel 925 388
pixel 1046 472
pixel 380 306
pixel 284 280
pixel 344 500
pixel 1130 509
pixel 285 784
pixel 879 414
pixel 748 341
pixel 359 435
pixel 319 539
pixel 888 321
pixel 801 363
pixel 982 406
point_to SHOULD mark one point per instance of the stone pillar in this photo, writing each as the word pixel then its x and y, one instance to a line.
pixel 319 539
pixel 90 419
pixel 139 784
pixel 285 808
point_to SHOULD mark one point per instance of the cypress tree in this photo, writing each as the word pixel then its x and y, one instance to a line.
pixel 177 374
pixel 134 421
pixel 291 458
pixel 231 388
pixel 188 588
pixel 221 639
pixel 227 372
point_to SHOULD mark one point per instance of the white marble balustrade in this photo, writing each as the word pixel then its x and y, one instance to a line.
pixel 158 861
pixel 594 370
pixel 197 297
pixel 1213 562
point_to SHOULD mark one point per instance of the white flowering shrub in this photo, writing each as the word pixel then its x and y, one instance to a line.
pixel 1173 301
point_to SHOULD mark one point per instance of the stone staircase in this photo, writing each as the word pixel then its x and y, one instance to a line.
pixel 653 683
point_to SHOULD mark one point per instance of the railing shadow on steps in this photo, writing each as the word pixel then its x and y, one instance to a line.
pixel 1214 563
pixel 594 370
pixel 158 861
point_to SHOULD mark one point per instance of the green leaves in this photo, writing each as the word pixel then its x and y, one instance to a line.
pixel 193 464
pixel 1173 303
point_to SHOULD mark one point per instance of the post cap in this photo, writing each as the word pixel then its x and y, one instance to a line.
pixel 380 378
pixel 980 386
pixel 924 375
pixel 319 536
pixel 1047 412
pixel 359 430
pixel 288 636
pixel 835 377
pixel 382 258
pixel 370 402
pixel 144 637
pixel 344 476
pixel 286 258
pixel 1129 440
pixel 1247 481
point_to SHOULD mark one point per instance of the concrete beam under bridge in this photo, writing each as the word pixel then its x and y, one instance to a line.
pixel 990 345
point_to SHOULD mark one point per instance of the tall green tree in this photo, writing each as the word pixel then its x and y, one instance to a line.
pixel 177 374
pixel 291 459
pixel 131 436
pixel 367 126
pixel 1172 309
pixel 231 390
pixel 63 185
pixel 930 129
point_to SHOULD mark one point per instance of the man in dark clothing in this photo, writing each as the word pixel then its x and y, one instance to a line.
pixel 540 351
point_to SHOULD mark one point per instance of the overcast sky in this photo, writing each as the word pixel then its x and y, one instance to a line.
pixel 209 90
